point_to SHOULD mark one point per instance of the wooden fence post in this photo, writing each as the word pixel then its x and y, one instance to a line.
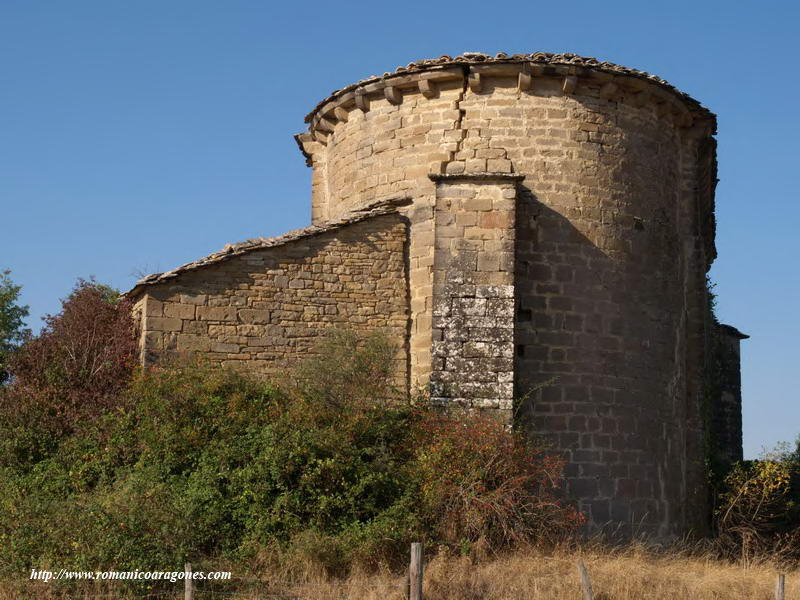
pixel 415 572
pixel 188 583
pixel 586 583
pixel 780 585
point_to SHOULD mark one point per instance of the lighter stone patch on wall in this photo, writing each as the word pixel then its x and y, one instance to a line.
pixel 473 310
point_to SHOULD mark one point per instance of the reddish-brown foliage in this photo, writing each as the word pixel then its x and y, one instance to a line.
pixel 486 484
pixel 77 366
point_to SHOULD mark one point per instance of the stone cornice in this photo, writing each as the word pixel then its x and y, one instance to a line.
pixel 611 80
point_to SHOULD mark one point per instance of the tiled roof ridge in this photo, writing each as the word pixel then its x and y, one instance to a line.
pixel 541 58
pixel 381 207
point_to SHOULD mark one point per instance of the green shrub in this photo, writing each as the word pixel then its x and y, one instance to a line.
pixel 332 467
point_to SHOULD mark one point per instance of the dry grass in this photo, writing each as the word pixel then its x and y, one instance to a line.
pixel 630 573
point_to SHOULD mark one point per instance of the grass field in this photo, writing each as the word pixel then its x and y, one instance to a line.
pixel 631 573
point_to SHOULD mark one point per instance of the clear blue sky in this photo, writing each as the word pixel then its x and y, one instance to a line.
pixel 135 136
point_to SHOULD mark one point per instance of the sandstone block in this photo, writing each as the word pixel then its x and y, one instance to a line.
pixel 498 165
pixel 198 299
pixel 216 313
pixel 154 308
pixel 163 324
pixel 455 167
pixel 490 153
pixel 475 165
pixel 195 327
pixel 489 261
pixel 495 291
pixel 259 317
pixel 221 347
pixel 496 220
pixel 220 331
pixel 250 330
pixel 193 343
pixel 466 219
pixel 180 311
pixel 479 204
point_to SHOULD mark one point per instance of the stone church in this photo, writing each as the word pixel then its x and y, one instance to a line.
pixel 534 231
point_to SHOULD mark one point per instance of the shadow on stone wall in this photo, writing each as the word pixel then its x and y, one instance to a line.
pixel 599 371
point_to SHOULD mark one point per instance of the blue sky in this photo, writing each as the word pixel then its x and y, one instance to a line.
pixel 135 136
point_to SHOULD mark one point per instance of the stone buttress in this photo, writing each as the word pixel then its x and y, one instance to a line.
pixel 473 291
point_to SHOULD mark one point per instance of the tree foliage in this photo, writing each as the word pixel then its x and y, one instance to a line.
pixel 78 365
pixel 12 321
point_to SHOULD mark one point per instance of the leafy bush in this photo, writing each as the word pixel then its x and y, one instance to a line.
pixel 759 508
pixel 349 373
pixel 333 468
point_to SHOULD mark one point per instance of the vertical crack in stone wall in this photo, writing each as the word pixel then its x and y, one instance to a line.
pixel 455 147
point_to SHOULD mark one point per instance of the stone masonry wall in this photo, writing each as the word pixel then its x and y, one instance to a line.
pixel 614 234
pixel 382 148
pixel 385 144
pixel 473 311
pixel 550 229
pixel 386 148
pixel 604 285
pixel 726 413
pixel 268 307
pixel 539 249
